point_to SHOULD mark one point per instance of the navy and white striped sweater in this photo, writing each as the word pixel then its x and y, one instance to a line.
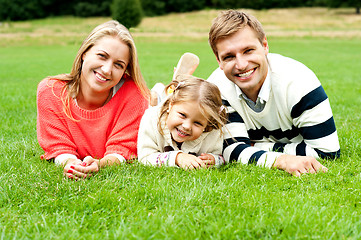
pixel 297 118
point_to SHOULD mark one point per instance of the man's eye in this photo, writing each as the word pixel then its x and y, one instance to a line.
pixel 226 58
pixel 249 51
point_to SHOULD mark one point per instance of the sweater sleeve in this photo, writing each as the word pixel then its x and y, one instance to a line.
pixel 237 145
pixel 52 132
pixel 123 134
pixel 150 150
pixel 312 116
pixel 214 141
pixel 301 94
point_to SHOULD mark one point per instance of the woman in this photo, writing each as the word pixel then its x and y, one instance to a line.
pixel 90 118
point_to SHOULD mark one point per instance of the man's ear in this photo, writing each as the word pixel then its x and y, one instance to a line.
pixel 219 63
pixel 265 45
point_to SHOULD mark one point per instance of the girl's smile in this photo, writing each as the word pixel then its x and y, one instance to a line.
pixel 185 121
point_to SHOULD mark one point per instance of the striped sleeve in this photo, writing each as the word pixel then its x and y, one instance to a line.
pixel 312 115
pixel 237 145
pixel 313 132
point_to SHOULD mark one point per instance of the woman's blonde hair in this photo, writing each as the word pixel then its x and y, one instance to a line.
pixel 113 29
pixel 189 88
pixel 228 23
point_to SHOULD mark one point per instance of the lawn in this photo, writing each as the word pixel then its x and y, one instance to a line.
pixel 137 202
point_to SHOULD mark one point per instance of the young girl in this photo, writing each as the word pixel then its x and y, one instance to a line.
pixel 90 118
pixel 185 130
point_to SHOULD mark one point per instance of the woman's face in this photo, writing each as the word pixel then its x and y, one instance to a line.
pixel 103 65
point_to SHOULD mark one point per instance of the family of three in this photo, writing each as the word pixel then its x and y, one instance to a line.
pixel 256 108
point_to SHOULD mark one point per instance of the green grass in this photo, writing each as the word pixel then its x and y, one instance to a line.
pixel 138 202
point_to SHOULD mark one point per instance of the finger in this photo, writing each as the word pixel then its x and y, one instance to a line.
pixel 200 162
pixel 76 173
pixel 92 168
pixel 195 164
pixel 88 160
pixel 312 170
pixel 87 176
pixel 296 173
pixel 318 166
pixel 208 163
pixel 80 170
pixel 189 167
pixel 324 169
pixel 72 177
pixel 203 157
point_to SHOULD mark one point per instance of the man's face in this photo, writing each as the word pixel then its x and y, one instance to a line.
pixel 243 59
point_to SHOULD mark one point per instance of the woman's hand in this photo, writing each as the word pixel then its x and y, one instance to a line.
pixel 68 168
pixel 77 169
pixel 189 161
pixel 81 170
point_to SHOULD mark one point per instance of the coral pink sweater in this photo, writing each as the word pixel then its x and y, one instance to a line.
pixel 112 128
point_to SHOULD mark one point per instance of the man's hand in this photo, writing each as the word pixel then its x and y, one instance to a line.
pixel 297 165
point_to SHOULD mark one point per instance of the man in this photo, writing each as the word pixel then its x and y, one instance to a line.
pixel 279 114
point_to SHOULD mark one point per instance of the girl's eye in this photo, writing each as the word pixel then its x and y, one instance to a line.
pixel 182 115
pixel 101 55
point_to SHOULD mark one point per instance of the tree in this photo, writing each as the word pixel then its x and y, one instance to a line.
pixel 345 3
pixel 127 12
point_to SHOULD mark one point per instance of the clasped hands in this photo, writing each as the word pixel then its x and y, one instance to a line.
pixel 76 169
pixel 189 161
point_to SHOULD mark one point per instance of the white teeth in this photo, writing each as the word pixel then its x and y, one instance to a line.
pixel 100 77
pixel 181 132
pixel 246 74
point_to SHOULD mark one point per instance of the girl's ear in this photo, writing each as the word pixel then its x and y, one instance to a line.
pixel 170 106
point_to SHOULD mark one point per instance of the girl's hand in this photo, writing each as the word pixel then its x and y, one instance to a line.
pixel 189 161
pixel 208 159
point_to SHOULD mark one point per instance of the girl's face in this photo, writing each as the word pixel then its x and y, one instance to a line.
pixel 104 65
pixel 185 121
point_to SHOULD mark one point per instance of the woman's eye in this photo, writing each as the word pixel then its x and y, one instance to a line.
pixel 101 55
pixel 118 65
pixel 198 124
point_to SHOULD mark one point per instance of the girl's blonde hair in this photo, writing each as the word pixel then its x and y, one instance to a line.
pixel 189 88
pixel 113 29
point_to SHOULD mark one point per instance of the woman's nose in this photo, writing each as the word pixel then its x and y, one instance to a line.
pixel 107 68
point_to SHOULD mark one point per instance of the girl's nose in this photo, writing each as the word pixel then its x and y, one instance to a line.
pixel 186 125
